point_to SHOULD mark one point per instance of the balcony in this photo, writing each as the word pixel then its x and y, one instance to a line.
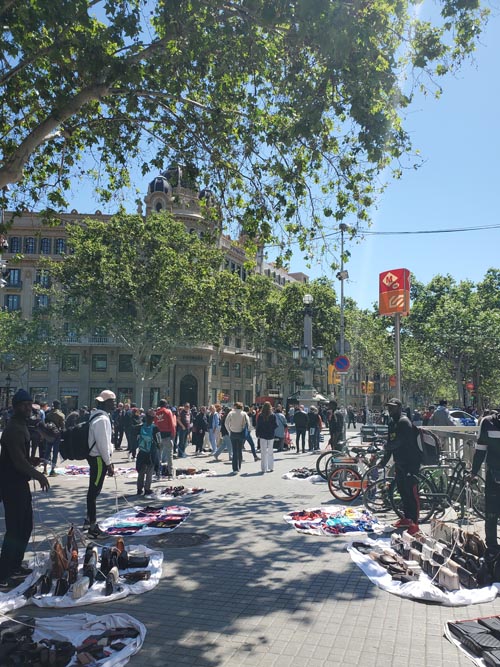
pixel 17 285
pixel 74 339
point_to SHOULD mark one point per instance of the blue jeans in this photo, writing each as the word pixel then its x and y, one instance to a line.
pixel 225 445
pixel 52 448
pixel 181 445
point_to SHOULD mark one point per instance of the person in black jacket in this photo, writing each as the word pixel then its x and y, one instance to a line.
pixel 301 421
pixel 402 446
pixel 15 474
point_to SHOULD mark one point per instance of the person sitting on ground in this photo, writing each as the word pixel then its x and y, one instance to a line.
pixel 15 474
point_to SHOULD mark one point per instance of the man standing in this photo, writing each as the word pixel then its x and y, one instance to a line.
pixel 402 446
pixel 441 416
pixel 166 423
pixel 488 446
pixel 15 474
pixel 335 424
pixel 117 419
pixel 184 423
pixel 56 417
pixel 236 423
pixel 301 421
pixel 101 451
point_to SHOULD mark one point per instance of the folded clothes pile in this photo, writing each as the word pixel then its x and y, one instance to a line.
pixel 479 637
pixel 182 473
pixel 301 473
pixel 177 492
pixel 148 520
pixel 333 521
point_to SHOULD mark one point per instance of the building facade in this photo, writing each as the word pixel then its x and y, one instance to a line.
pixel 89 364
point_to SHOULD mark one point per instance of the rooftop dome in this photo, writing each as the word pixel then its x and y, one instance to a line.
pixel 159 184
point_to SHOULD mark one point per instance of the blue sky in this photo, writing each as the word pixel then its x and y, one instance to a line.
pixel 458 185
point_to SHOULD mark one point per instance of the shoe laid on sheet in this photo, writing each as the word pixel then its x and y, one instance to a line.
pixel 95 533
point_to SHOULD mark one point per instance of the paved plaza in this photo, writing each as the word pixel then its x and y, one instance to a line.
pixel 249 590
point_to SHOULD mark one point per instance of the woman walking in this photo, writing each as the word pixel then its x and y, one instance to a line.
pixel 266 426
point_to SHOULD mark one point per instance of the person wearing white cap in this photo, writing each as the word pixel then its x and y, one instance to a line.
pixel 101 451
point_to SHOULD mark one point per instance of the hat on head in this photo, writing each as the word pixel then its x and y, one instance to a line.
pixel 106 395
pixel 21 396
pixel 395 401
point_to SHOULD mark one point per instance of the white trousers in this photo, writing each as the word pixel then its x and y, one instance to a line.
pixel 266 454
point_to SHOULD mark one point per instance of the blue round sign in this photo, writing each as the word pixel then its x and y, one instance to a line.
pixel 342 364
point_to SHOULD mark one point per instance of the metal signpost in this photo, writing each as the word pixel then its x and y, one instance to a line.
pixel 394 299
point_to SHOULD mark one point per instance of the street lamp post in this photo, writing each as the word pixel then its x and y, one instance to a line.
pixel 306 354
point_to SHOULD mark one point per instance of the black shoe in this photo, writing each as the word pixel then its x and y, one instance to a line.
pixel 21 572
pixel 5 584
pixel 96 533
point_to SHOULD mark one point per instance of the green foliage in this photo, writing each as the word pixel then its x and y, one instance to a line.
pixel 145 282
pixel 267 98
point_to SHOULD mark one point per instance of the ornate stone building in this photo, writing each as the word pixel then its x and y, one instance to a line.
pixel 89 364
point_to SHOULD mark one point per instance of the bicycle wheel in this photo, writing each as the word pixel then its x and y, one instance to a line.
pixel 427 494
pixel 324 462
pixel 344 484
pixel 377 496
pixel 477 488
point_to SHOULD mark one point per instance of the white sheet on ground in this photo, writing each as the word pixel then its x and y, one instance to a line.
pixel 75 628
pixel 423 589
pixel 96 594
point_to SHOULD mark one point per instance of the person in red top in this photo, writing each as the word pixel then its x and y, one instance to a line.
pixel 166 423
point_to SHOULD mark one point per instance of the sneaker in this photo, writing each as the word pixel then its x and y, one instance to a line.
pixel 5 584
pixel 256 458
pixel 413 528
pixel 402 523
pixel 96 533
pixel 52 473
pixel 86 524
pixel 148 494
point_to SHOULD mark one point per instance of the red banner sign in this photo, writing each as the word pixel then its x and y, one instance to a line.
pixel 394 292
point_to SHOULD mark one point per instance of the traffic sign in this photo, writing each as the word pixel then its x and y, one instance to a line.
pixel 342 363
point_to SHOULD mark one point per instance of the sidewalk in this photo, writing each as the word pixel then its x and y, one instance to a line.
pixel 256 592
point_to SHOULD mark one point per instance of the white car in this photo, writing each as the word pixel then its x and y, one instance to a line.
pixel 462 418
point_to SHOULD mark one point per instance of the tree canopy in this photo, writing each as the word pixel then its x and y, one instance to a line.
pixel 145 282
pixel 288 109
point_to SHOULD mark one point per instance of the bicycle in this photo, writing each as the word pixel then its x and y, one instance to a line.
pixel 329 459
pixel 345 480
pixel 436 489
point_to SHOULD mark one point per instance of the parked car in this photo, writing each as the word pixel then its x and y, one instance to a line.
pixel 462 418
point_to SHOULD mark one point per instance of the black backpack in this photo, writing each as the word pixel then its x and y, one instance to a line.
pixel 429 446
pixel 75 441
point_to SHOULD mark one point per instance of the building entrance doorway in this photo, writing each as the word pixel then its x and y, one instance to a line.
pixel 188 390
